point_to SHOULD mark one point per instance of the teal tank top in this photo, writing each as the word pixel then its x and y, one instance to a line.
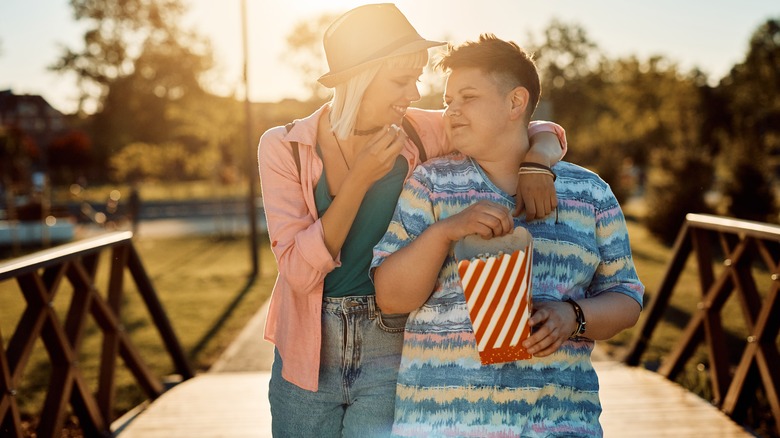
pixel 373 217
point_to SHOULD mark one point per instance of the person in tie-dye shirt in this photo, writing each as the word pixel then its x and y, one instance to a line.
pixel 581 262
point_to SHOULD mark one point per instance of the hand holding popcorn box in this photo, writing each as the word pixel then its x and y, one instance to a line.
pixel 496 279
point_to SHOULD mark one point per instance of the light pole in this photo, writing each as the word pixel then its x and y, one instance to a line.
pixel 251 170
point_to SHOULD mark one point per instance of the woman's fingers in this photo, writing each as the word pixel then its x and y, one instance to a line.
pixel 379 155
pixel 536 195
pixel 549 329
pixel 490 219
pixel 503 224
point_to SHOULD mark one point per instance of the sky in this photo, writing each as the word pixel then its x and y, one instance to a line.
pixel 711 35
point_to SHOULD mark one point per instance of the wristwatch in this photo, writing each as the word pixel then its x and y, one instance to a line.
pixel 580 330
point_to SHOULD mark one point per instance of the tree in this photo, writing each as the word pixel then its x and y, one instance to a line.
pixel 677 181
pixel 18 153
pixel 118 32
pixel 638 123
pixel 570 68
pixel 214 128
pixel 747 188
pixel 569 65
pixel 566 55
pixel 136 64
pixel 750 139
pixel 306 54
pixel 67 156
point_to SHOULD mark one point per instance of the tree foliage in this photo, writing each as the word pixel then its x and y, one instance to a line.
pixel 67 155
pixel 137 64
pixel 750 137
pixel 117 34
pixel 159 162
pixel 17 153
pixel 569 64
pixel 306 55
pixel 638 123
pixel 676 183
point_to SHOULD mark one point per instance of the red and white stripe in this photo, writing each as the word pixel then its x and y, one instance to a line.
pixel 498 295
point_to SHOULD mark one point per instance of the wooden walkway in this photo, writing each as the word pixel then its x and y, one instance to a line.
pixel 636 402
pixel 231 402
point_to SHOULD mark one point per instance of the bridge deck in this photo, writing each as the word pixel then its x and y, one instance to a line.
pixel 232 401
pixel 636 402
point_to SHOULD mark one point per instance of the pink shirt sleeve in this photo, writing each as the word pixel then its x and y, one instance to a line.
pixel 297 237
pixel 537 126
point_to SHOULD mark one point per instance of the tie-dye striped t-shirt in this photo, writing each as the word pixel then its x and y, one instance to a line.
pixel 443 390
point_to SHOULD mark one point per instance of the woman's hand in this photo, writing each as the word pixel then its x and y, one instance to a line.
pixel 485 219
pixel 536 192
pixel 553 323
pixel 378 156
pixel 536 195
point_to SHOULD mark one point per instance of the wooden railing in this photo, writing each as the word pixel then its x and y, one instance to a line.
pixel 747 249
pixel 40 276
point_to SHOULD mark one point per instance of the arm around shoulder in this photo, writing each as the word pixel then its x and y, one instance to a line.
pixel 548 142
pixel 536 192
pixel 429 126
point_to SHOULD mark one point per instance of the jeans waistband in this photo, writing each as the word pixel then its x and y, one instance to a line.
pixel 350 305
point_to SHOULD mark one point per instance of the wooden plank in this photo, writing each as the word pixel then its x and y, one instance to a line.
pixel 210 405
pixel 637 403
pixel 640 403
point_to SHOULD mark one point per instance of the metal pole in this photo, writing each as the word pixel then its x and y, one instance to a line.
pixel 251 170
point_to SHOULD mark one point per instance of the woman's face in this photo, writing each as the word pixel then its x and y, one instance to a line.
pixel 388 96
pixel 476 111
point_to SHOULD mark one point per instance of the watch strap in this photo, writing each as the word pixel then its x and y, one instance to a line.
pixel 581 323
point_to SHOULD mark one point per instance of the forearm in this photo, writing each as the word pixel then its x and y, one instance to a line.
pixel 545 149
pixel 405 280
pixel 338 219
pixel 608 314
pixel 536 192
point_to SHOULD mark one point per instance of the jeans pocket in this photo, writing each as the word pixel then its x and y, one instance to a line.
pixel 391 322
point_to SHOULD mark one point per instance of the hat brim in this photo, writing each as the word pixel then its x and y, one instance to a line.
pixel 331 79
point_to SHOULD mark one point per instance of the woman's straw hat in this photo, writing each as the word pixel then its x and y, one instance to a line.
pixel 365 35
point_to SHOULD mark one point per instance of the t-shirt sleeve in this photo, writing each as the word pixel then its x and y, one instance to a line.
pixel 616 272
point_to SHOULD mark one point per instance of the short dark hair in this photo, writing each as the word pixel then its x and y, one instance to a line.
pixel 508 63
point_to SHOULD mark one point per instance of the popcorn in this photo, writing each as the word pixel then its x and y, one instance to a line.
pixel 496 279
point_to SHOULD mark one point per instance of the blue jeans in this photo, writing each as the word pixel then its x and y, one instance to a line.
pixel 361 352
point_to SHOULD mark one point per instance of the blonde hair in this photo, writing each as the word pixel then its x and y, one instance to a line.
pixel 348 95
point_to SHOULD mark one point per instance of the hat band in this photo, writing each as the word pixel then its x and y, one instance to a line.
pixel 387 50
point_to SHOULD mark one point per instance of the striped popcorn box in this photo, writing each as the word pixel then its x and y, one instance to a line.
pixel 496 279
